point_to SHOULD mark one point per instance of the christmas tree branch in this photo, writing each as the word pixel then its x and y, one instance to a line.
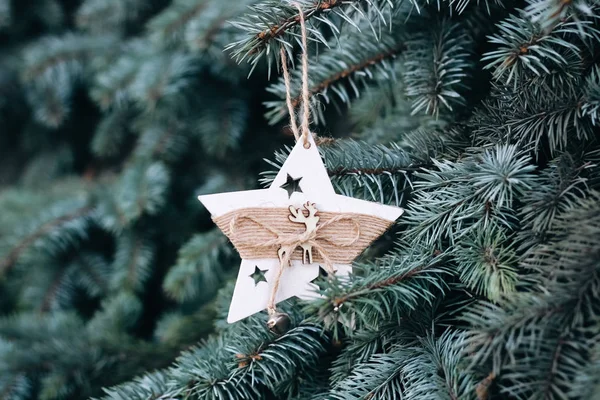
pixel 536 119
pixel 549 13
pixel 50 52
pixel 348 71
pixel 560 186
pixel 567 270
pixel 166 25
pixel 384 283
pixel 354 58
pixel 270 21
pixel 111 87
pixel 52 68
pixel 255 363
pixel 200 265
pixel 160 141
pixel 360 170
pixel 100 16
pixel 433 218
pixel 436 68
pixel 133 261
pixel 11 258
pixel 527 50
pixel 401 282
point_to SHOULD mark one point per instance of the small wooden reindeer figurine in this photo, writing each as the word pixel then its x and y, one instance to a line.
pixel 310 221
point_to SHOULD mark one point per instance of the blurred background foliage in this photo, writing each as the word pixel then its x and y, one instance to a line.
pixel 479 117
pixel 114 116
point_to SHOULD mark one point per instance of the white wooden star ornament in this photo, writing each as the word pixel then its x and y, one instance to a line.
pixel 299 224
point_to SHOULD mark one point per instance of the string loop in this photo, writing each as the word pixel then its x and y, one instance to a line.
pixel 305 125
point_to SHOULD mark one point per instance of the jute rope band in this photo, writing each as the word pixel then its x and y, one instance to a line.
pixel 261 232
pixel 337 238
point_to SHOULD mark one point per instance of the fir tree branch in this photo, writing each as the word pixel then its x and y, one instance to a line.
pixel 526 50
pixel 133 261
pixel 112 86
pixel 100 16
pixel 199 268
pixel 94 276
pixel 353 59
pixel 270 21
pixel 591 96
pixel 537 120
pixel 53 66
pixel 400 283
pixel 348 71
pixel 11 258
pixel 560 186
pixel 487 263
pixel 366 343
pixel 147 387
pixel 377 378
pixel 436 68
pixel 255 363
pixel 549 13
pixel 382 284
pixel 171 21
pixel 50 52
pixel 111 133
pixel 51 293
pixel 361 170
pixel 496 178
pixel 587 384
pixel 163 139
pixel 162 81
pixel 544 328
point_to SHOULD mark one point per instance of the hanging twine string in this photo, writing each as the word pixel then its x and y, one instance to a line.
pixel 288 98
pixel 305 91
pixel 286 250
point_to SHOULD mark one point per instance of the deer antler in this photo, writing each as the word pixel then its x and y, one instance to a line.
pixel 297 215
pixel 310 221
pixel 312 210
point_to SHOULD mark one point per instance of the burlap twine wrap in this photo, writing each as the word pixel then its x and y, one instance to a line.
pixel 261 232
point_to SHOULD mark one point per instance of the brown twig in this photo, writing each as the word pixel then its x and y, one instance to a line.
pixel 385 283
pixel 278 30
pixel 347 72
pixel 373 171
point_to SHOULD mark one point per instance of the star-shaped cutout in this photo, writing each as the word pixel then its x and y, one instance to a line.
pixel 258 275
pixel 291 185
pixel 320 280
pixel 296 279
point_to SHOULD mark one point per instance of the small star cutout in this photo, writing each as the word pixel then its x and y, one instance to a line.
pixel 258 275
pixel 291 185
pixel 322 278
